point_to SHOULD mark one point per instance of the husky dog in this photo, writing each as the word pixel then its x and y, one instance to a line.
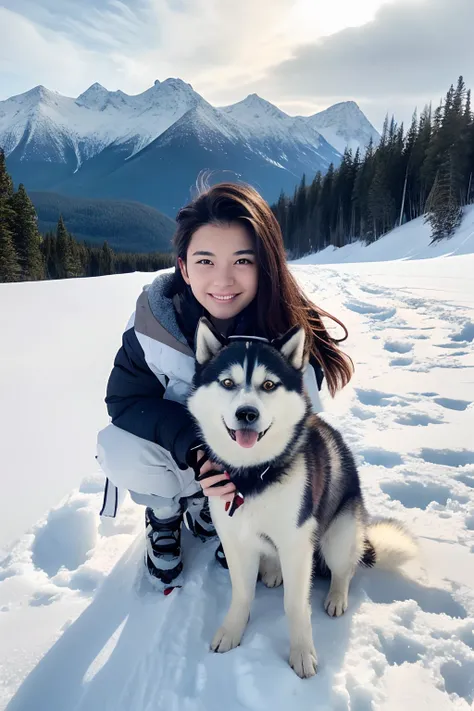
pixel 303 509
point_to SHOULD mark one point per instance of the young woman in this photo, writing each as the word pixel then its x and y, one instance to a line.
pixel 231 267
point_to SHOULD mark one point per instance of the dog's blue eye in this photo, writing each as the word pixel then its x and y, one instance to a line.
pixel 227 383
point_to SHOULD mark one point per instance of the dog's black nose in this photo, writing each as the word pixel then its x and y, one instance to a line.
pixel 247 414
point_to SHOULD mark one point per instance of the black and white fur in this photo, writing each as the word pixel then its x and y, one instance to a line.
pixel 303 509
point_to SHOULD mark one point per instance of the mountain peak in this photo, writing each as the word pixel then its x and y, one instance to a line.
pixel 344 125
pixel 253 107
pixel 95 97
pixel 256 100
pixel 39 93
pixel 36 97
pixel 96 87
pixel 171 82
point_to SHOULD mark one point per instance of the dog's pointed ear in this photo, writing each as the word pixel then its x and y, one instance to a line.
pixel 208 341
pixel 291 346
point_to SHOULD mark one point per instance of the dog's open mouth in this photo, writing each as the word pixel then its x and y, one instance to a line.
pixel 245 437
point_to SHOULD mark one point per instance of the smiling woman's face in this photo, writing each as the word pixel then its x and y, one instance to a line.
pixel 221 269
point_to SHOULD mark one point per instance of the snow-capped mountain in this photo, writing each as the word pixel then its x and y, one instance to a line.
pixel 345 125
pixel 84 146
pixel 260 120
pixel 208 138
pixel 93 121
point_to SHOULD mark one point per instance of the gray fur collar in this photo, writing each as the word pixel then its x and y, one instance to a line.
pixel 161 304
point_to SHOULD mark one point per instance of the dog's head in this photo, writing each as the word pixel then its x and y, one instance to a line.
pixel 247 395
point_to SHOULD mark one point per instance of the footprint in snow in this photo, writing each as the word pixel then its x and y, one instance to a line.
pixel 400 649
pixel 451 404
pixel 417 495
pixel 386 587
pixel 372 289
pixel 458 675
pixel 362 413
pixel 381 457
pixel 449 346
pixel 374 397
pixel 466 334
pixel 43 598
pixel 379 313
pixel 377 398
pixel 398 346
pixel 401 361
pixel 448 457
pixel 415 419
pixel 466 479
pixel 65 539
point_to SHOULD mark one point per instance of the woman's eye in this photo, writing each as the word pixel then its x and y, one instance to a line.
pixel 227 383
pixel 268 385
pixel 244 261
pixel 204 261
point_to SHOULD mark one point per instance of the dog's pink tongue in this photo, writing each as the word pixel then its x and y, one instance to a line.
pixel 246 438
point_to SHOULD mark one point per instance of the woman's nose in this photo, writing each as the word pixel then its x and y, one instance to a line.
pixel 223 277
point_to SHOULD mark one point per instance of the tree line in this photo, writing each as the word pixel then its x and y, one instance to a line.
pixel 26 255
pixel 426 170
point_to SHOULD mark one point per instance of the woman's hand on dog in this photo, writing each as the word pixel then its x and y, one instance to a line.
pixel 225 491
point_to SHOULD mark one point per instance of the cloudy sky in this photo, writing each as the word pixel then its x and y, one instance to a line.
pixel 302 55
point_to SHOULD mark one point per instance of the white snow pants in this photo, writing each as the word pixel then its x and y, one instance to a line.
pixel 147 470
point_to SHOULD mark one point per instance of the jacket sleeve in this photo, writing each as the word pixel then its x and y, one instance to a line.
pixel 135 403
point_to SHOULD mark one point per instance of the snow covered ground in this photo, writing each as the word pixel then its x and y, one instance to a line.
pixel 79 627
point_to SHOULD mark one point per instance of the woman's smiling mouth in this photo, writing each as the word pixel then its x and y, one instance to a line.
pixel 224 297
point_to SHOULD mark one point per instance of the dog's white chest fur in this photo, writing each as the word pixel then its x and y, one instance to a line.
pixel 271 514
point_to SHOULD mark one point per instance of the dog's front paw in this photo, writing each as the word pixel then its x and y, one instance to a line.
pixel 304 661
pixel 226 639
pixel 270 573
pixel 336 604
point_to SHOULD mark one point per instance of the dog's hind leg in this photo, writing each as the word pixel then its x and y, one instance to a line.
pixel 270 570
pixel 243 561
pixel 341 547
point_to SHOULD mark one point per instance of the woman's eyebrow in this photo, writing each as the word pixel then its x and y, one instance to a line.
pixel 203 253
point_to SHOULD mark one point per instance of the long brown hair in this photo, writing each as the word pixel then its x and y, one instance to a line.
pixel 280 303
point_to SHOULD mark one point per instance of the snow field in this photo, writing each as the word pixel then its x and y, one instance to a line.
pixel 80 628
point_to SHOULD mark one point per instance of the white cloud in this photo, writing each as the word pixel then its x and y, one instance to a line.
pixel 408 55
pixel 206 42
pixel 31 55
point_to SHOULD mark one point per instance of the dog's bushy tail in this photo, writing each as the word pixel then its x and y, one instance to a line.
pixel 389 544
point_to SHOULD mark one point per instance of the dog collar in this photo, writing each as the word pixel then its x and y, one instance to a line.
pixel 232 506
pixel 259 339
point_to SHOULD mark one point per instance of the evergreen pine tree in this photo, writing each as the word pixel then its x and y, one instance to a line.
pixel 9 267
pixel 360 193
pixel 327 207
pixel 48 249
pixel 381 204
pixel 63 250
pixel 75 267
pixel 106 259
pixel 443 208
pixel 6 183
pixel 26 237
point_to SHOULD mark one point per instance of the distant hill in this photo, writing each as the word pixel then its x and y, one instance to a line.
pixel 127 226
